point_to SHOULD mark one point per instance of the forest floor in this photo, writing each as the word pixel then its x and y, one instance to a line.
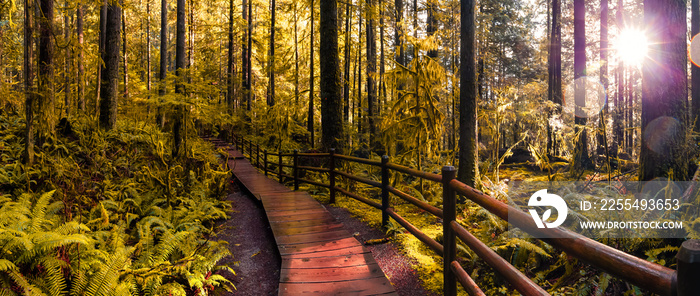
pixel 257 262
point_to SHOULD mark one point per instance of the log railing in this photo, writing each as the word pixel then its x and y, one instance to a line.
pixel 653 277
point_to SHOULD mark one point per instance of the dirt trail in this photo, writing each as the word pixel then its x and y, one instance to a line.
pixel 255 258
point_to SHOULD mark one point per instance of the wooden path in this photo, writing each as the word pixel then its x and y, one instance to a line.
pixel 319 256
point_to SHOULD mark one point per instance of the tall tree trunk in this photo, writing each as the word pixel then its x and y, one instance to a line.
pixel 432 24
pixel 371 69
pixel 603 76
pixel 101 53
pixel 81 67
pixel 110 73
pixel 664 93
pixel 358 74
pixel 618 136
pixel 468 156
pixel 554 90
pixel 398 33
pixel 125 58
pixel 310 119
pixel 346 64
pixel 332 102
pixel 695 70
pixel 249 65
pixel 296 60
pixel 190 42
pixel 47 103
pixel 148 50
pixel 29 90
pixel 230 65
pixel 382 66
pixel 271 97
pixel 630 111
pixel 163 71
pixel 581 158
pixel 180 71
pixel 67 92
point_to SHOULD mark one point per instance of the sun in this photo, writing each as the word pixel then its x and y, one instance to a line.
pixel 631 46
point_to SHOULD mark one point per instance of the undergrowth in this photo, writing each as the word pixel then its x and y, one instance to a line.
pixel 109 213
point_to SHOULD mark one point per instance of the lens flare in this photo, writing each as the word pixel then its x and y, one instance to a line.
pixel 594 93
pixel 694 50
pixel 631 46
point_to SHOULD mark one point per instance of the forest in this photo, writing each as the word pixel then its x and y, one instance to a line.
pixel 110 185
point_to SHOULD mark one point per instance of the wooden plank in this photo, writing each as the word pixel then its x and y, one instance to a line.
pixel 312 237
pixel 318 246
pixel 297 212
pixel 373 286
pixel 287 208
pixel 302 223
pixel 344 260
pixel 322 216
pixel 334 274
pixel 294 215
pixel 292 208
pixel 351 250
pixel 307 229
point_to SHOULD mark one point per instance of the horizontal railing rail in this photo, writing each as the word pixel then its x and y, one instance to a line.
pixel 647 275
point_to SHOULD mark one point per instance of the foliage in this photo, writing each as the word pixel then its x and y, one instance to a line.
pixel 113 214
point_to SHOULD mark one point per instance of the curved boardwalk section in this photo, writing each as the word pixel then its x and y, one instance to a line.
pixel 319 256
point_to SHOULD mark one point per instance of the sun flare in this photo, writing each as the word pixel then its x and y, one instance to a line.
pixel 631 46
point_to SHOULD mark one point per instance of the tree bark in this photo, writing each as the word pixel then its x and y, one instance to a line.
pixel 110 72
pixel 310 119
pixel 398 33
pixel 249 65
pixel 81 67
pixel 664 93
pixel 163 71
pixel 331 100
pixel 67 60
pixel 618 136
pixel 148 49
pixel 432 24
pixel 603 75
pixel 346 64
pixel 125 58
pixel 371 69
pixel 230 64
pixel 271 96
pixel 581 158
pixel 296 60
pixel 468 156
pixel 29 90
pixel 358 75
pixel 46 99
pixel 181 73
pixel 554 90
pixel 382 67
pixel 101 53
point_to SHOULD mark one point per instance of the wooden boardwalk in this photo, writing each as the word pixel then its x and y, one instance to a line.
pixel 319 256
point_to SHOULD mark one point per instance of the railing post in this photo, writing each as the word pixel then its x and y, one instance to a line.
pixel 331 175
pixel 385 191
pixel 295 170
pixel 265 161
pixel 250 151
pixel 448 235
pixel 280 166
pixel 257 155
pixel 688 268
